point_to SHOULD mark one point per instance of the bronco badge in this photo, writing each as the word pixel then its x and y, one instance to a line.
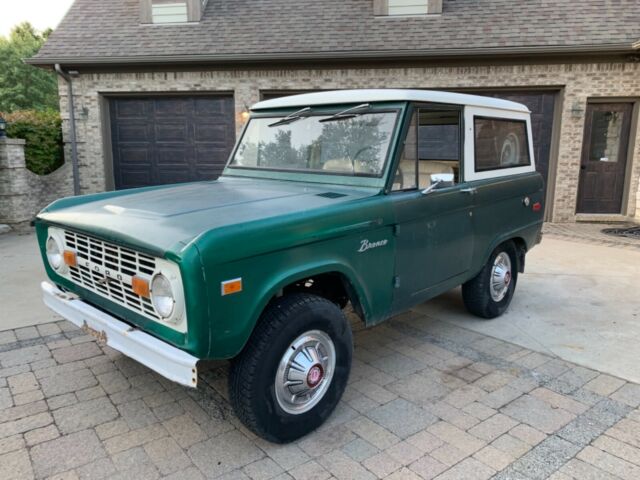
pixel 367 245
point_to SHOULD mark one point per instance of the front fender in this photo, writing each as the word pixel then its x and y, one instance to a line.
pixel 233 317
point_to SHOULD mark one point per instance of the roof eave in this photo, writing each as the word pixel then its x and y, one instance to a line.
pixel 329 56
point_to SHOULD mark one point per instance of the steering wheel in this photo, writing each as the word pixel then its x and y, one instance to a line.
pixel 354 158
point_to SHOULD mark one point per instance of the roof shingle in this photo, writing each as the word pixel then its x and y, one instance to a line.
pixel 110 29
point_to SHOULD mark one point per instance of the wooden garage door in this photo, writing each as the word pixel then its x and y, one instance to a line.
pixel 160 140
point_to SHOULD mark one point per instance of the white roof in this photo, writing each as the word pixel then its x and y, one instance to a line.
pixel 388 95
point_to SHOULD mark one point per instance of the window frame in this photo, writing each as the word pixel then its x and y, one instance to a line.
pixel 318 113
pixel 475 144
pixel 415 110
pixel 470 172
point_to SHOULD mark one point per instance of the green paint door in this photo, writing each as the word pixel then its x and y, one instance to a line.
pixel 434 241
pixel 434 234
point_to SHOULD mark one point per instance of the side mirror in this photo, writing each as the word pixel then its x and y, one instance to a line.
pixel 439 180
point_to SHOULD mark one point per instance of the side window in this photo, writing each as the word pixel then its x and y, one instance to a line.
pixel 500 143
pixel 438 146
pixel 431 150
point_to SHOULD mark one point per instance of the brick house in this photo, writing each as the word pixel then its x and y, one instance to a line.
pixel 161 87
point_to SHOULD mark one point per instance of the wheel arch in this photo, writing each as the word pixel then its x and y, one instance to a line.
pixel 352 284
pixel 519 243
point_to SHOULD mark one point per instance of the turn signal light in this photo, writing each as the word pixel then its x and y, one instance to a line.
pixel 140 287
pixel 70 258
pixel 231 286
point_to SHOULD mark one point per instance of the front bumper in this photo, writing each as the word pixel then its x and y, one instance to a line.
pixel 168 361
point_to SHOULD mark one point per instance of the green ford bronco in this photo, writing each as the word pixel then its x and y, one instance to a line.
pixel 378 198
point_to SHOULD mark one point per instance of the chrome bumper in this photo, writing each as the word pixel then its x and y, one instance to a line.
pixel 168 361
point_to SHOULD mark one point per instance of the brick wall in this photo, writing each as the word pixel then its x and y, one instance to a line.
pixel 578 82
pixel 22 192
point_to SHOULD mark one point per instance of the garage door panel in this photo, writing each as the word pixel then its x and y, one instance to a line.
pixel 210 155
pixel 133 177
pixel 213 133
pixel 133 132
pixel 135 156
pixel 172 132
pixel 178 156
pixel 173 106
pixel 167 174
pixel 159 140
pixel 208 106
pixel 129 108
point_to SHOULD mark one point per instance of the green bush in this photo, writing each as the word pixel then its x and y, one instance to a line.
pixel 43 132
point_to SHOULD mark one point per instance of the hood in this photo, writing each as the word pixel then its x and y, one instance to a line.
pixel 159 219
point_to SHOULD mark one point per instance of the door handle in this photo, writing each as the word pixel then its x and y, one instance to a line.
pixel 470 191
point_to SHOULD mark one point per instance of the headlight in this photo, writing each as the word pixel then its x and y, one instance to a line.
pixel 162 296
pixel 54 252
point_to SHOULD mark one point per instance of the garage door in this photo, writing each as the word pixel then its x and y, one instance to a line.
pixel 160 140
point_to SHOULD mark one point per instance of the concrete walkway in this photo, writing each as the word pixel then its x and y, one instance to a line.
pixel 578 301
pixel 21 272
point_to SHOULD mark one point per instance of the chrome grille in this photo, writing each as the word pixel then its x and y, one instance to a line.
pixel 108 269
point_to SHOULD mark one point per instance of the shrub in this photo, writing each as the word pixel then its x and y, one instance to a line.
pixel 42 130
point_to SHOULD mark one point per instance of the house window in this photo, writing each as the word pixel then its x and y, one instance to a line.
pixel 406 7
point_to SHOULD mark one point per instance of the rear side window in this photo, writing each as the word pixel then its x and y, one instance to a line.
pixel 500 143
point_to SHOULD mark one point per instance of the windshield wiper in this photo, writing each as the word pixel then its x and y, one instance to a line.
pixel 292 117
pixel 345 114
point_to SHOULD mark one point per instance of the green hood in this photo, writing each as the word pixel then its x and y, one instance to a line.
pixel 159 219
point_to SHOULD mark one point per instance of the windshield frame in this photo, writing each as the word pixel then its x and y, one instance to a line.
pixel 345 178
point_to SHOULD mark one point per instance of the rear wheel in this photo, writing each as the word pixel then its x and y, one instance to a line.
pixel 489 293
pixel 292 373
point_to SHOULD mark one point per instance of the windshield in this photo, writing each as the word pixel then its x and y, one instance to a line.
pixel 352 146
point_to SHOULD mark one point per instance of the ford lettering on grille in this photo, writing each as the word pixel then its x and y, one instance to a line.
pixel 107 269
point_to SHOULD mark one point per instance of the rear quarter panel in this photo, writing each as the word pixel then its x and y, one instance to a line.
pixel 501 213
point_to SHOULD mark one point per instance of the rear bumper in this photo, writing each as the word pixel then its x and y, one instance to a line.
pixel 168 361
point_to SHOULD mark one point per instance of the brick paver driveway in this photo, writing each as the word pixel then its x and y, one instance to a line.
pixel 425 400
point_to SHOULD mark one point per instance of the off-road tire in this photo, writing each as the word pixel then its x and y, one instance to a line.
pixel 476 292
pixel 253 372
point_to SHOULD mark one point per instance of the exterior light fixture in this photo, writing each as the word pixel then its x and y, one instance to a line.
pixel 244 115
pixel 3 128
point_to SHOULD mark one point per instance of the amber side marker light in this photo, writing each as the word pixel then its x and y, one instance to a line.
pixel 70 258
pixel 231 286
pixel 140 287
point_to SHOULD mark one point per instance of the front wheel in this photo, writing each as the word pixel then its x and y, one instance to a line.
pixel 489 293
pixel 294 369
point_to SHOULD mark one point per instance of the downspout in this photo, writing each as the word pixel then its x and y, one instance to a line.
pixel 72 128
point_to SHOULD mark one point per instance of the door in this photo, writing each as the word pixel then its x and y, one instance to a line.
pixel 170 139
pixel 434 236
pixel 604 157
